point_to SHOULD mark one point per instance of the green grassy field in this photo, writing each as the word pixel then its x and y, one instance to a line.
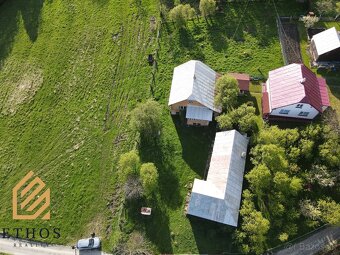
pixel 70 72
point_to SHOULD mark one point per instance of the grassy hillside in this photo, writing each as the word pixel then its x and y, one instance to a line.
pixel 69 73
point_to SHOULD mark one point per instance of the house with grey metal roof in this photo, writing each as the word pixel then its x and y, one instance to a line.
pixel 193 90
pixel 218 197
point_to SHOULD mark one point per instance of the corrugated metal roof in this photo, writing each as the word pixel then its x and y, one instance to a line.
pixel 199 113
pixel 194 80
pixel 292 84
pixel 218 198
pixel 326 41
pixel 324 92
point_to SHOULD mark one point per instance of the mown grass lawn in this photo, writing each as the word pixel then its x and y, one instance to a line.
pixel 70 72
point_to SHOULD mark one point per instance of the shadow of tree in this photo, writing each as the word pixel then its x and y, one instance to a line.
pixel 198 139
pixel 30 12
pixel 155 226
pixel 8 28
pixel 160 153
pixel 205 230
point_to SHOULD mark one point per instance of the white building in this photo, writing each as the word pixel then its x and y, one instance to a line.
pixel 325 46
pixel 218 198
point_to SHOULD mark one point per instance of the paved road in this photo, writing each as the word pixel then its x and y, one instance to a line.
pixel 313 243
pixel 13 247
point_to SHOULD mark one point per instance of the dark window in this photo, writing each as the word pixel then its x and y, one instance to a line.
pixel 299 106
pixel 91 242
pixel 283 111
pixel 304 114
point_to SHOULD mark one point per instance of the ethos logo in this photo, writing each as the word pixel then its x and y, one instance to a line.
pixel 31 199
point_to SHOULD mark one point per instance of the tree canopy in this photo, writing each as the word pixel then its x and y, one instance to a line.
pixel 149 178
pixel 181 13
pixel 227 91
pixel 207 7
pixel 146 119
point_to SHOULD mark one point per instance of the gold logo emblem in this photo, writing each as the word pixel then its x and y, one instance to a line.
pixel 30 199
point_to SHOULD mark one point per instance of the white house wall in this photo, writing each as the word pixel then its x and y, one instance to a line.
pixel 294 112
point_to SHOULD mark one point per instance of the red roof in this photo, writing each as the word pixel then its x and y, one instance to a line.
pixel 242 79
pixel 295 83
pixel 265 103
pixel 324 92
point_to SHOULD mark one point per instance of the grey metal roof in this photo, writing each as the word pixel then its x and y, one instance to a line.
pixel 194 80
pixel 199 113
pixel 218 198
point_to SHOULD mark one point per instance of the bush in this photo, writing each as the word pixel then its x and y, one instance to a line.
pixel 207 7
pixel 181 13
pixel 149 178
pixel 146 119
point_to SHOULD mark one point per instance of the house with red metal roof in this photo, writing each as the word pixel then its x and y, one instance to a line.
pixel 243 81
pixel 294 91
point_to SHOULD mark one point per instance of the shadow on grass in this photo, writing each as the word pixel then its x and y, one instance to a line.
pixel 155 226
pixel 196 144
pixel 30 12
pixel 161 154
pixel 332 80
pixel 8 28
pixel 248 99
pixel 207 232
pixel 188 42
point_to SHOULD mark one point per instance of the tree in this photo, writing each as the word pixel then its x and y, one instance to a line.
pixel 309 21
pixel 146 119
pixel 149 178
pixel 242 118
pixel 295 185
pixel 129 164
pixel 181 13
pixel 282 182
pixel 260 179
pixel 322 175
pixel 330 211
pixel 254 226
pixel 326 7
pixel 306 146
pixel 274 135
pixel 227 91
pixel 207 7
pixel 271 155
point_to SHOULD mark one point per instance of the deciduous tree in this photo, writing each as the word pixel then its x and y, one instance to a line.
pixel 207 7
pixel 149 178
pixel 146 119
pixel 226 92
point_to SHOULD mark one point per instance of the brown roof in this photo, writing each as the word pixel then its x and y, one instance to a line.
pixel 242 79
pixel 265 103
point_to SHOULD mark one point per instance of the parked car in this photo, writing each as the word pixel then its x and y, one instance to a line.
pixel 88 244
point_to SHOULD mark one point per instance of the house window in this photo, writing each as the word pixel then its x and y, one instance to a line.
pixel 304 114
pixel 283 111
pixel 182 107
pixel 190 102
pixel 299 106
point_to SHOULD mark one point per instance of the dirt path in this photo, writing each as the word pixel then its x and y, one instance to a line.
pixel 12 246
pixel 312 244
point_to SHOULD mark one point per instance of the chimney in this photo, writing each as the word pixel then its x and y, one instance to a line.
pixel 303 80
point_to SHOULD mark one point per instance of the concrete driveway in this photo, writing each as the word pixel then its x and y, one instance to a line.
pixel 22 247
